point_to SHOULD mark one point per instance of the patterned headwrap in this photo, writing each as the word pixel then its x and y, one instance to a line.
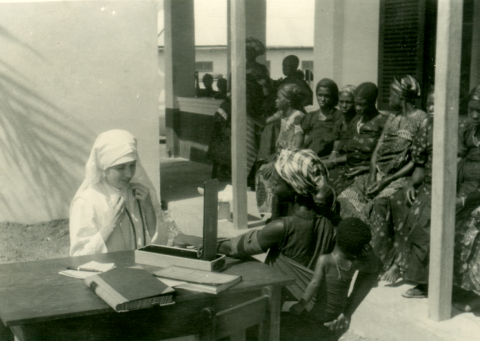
pixel 329 84
pixel 348 89
pixel 407 86
pixel 302 170
pixel 256 45
pixel 367 91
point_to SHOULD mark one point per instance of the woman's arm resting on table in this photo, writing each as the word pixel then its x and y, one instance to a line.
pixel 251 243
pixel 254 242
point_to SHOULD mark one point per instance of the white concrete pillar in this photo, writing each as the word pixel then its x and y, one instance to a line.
pixel 239 117
pixel 475 61
pixel 328 39
pixel 447 91
pixel 256 22
pixel 179 63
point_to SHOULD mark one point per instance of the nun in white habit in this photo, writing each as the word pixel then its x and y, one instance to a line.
pixel 115 208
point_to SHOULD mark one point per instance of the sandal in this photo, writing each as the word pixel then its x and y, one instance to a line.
pixel 415 293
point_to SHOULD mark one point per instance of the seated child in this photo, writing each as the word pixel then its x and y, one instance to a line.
pixel 330 317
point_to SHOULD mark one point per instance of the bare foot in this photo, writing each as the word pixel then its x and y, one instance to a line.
pixel 468 306
pixel 391 275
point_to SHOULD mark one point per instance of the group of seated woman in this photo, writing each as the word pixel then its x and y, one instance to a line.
pixel 380 167
pixel 349 187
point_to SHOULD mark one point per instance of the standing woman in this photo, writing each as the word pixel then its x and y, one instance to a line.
pixel 115 208
pixel 319 124
pixel 290 114
pixel 368 197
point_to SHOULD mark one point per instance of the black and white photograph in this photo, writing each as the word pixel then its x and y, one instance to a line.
pixel 256 170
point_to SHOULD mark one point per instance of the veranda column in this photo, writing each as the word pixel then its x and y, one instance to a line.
pixel 475 61
pixel 447 84
pixel 239 119
pixel 328 40
pixel 256 23
pixel 179 63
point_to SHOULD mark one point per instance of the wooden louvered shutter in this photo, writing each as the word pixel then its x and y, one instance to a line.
pixel 401 43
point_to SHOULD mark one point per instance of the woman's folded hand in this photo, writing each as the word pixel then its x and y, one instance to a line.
pixel 114 215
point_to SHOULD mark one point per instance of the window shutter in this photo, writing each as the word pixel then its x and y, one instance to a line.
pixel 401 43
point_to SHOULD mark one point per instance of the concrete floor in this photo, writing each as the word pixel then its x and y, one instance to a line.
pixel 384 314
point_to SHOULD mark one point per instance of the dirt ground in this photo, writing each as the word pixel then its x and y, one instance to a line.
pixel 30 242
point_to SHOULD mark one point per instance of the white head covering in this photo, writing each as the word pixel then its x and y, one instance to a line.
pixel 112 148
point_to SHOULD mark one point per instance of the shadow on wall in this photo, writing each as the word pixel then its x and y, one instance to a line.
pixel 42 148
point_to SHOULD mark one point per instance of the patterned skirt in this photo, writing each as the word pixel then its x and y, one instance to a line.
pixel 466 270
pixel 416 249
pixel 338 179
pixel 376 212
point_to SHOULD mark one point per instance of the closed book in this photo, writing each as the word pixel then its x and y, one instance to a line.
pixel 198 280
pixel 126 289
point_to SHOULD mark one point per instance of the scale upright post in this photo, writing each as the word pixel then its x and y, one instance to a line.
pixel 210 220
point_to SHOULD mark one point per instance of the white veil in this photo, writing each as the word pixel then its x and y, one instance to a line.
pixel 115 147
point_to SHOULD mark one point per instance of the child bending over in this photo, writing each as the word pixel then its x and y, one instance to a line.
pixel 330 317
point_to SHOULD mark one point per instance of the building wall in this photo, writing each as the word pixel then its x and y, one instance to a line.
pixel 360 42
pixel 346 40
pixel 68 71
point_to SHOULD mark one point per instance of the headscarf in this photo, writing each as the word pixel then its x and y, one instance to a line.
pixel 256 45
pixel 112 148
pixel 332 86
pixel 302 170
pixel 294 94
pixel 348 89
pixel 367 91
pixel 408 87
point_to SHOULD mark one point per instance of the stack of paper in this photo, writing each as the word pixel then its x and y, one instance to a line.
pixel 87 269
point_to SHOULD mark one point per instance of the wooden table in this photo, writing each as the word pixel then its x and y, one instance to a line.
pixel 37 303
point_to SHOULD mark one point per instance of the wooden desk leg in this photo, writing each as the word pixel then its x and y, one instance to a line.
pixel 275 310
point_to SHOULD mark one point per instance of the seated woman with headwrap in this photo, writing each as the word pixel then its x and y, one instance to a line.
pixel 319 125
pixel 368 125
pixel 303 235
pixel 115 208
pixel 368 197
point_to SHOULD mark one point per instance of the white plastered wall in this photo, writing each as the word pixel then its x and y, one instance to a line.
pixel 346 40
pixel 68 71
